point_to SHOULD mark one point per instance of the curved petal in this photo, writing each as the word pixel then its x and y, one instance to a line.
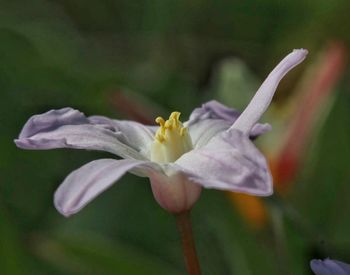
pixel 263 96
pixel 84 184
pixel 69 128
pixel 230 161
pixel 212 118
pixel 329 267
pixel 137 135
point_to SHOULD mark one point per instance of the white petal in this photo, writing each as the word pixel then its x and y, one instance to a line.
pixel 230 161
pixel 84 184
pixel 136 135
pixel 203 131
pixel 263 96
pixel 69 128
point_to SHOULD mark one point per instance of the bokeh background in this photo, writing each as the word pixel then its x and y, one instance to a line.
pixel 140 59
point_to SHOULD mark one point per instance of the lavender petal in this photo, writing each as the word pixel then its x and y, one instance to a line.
pixel 230 161
pixel 329 267
pixel 213 118
pixel 84 184
pixel 69 128
pixel 263 96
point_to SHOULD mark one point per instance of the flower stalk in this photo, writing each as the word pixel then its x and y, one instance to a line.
pixel 183 221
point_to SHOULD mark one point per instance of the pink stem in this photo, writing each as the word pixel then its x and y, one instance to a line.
pixel 184 226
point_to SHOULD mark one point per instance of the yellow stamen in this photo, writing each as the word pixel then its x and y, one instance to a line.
pixel 160 121
pixel 171 139
pixel 169 124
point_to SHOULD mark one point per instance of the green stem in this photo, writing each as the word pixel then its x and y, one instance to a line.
pixel 184 226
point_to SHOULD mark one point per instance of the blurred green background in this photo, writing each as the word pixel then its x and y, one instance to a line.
pixel 155 57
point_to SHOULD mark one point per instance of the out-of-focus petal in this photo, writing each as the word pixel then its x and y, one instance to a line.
pixel 137 135
pixel 84 184
pixel 212 118
pixel 69 128
pixel 230 161
pixel 259 129
pixel 263 96
pixel 214 110
pixel 329 267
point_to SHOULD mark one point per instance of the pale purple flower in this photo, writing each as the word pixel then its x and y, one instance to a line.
pixel 329 267
pixel 212 149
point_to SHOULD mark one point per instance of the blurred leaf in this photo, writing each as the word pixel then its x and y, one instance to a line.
pixel 241 250
pixel 234 83
pixel 12 260
pixel 321 195
pixel 92 254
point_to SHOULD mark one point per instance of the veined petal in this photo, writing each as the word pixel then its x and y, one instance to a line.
pixel 137 135
pixel 230 161
pixel 87 182
pixel 69 128
pixel 212 118
pixel 263 96
pixel 329 267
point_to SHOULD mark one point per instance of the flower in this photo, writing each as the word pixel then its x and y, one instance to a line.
pixel 212 149
pixel 329 267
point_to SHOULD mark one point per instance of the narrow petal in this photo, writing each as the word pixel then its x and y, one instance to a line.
pixel 212 118
pixel 263 96
pixel 329 267
pixel 230 161
pixel 69 128
pixel 87 182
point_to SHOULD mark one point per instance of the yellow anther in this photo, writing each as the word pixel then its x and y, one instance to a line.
pixel 171 139
pixel 169 127
pixel 175 115
pixel 169 124
pixel 160 121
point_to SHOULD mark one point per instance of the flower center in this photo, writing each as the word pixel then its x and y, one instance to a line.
pixel 171 140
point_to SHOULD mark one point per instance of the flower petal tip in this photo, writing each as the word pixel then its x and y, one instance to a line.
pixel 301 50
pixel 64 212
pixel 300 53
pixel 293 59
pixel 262 98
pixel 329 266
pixel 17 143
